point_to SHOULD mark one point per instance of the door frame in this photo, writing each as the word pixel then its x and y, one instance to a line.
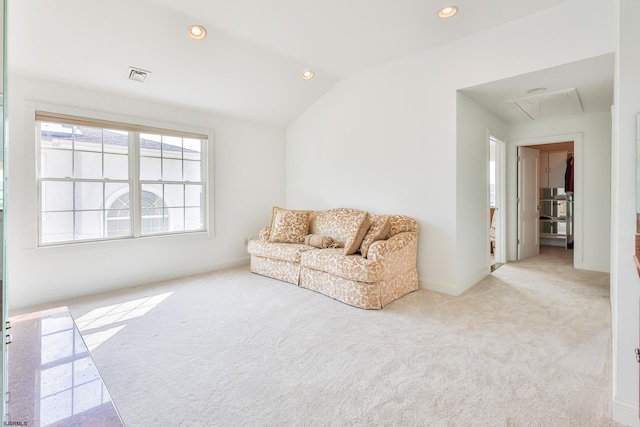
pixel 577 190
pixel 501 205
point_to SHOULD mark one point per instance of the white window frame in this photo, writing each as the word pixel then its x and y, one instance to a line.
pixel 135 183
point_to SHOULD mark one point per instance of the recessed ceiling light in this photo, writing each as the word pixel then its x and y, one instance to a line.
pixel 447 11
pixel 197 32
pixel 307 75
pixel 536 90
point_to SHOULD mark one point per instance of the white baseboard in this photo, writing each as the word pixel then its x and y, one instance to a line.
pixel 450 288
pixel 453 289
pixel 470 281
pixel 444 288
pixel 626 413
pixel 594 267
pixel 47 298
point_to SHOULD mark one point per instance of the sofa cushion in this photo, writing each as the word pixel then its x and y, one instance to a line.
pixel 340 224
pixel 282 251
pixel 352 244
pixel 288 226
pixel 352 267
pixel 379 231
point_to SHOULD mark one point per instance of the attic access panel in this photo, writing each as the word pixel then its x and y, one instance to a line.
pixel 560 103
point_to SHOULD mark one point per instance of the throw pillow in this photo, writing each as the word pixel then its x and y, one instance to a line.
pixel 318 241
pixel 379 231
pixel 352 244
pixel 288 226
pixel 341 224
pixel 264 233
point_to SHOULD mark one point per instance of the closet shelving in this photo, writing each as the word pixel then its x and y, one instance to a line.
pixel 556 215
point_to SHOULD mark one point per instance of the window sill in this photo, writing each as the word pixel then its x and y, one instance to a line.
pixel 120 243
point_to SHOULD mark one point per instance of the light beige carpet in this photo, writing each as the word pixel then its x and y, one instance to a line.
pixel 528 346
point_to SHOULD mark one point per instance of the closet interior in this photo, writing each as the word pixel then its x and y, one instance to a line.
pixel 556 175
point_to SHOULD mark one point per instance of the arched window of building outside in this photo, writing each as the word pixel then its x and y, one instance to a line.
pixel 153 217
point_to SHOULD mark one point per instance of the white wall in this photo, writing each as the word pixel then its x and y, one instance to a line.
pixel 386 140
pixel 370 144
pixel 473 126
pixel 248 180
pixel 625 284
pixel 593 207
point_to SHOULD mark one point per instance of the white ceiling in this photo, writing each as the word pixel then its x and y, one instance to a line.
pixel 591 78
pixel 249 65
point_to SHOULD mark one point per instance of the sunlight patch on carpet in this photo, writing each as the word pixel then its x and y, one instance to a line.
pixel 104 320
pixel 93 340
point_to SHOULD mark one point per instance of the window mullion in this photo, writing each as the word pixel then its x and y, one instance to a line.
pixel 135 207
pixel 205 178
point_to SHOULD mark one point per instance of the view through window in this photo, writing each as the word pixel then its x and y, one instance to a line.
pixel 98 182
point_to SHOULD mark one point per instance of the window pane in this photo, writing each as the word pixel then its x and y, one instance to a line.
pixel 116 166
pixel 171 170
pixel 116 141
pixel 150 145
pixel 193 195
pixel 118 214
pixel 175 217
pixel 152 225
pixel 172 147
pixel 56 164
pixel 57 227
pixel 150 168
pixel 87 165
pixel 88 225
pixel 118 223
pixel 121 202
pixel 174 195
pixel 116 195
pixel 192 171
pixel 193 219
pixel 57 196
pixel 152 213
pixel 192 149
pixel 87 138
pixel 152 195
pixel 88 195
pixel 56 135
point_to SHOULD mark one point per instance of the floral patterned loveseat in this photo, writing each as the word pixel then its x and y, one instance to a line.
pixel 358 258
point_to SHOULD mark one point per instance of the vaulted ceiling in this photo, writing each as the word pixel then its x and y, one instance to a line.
pixel 250 63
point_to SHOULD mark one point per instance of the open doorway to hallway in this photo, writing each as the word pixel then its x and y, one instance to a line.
pixel 497 190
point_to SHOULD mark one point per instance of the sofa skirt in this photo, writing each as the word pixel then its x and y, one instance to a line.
pixel 399 285
pixel 358 294
pixel 286 271
pixel 367 295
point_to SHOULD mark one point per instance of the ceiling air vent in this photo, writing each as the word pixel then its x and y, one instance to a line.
pixel 552 104
pixel 138 74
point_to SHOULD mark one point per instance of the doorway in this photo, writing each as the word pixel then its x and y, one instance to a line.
pixel 559 227
pixel 497 197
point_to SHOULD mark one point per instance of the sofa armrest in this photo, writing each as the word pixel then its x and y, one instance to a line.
pixel 395 243
pixel 397 254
